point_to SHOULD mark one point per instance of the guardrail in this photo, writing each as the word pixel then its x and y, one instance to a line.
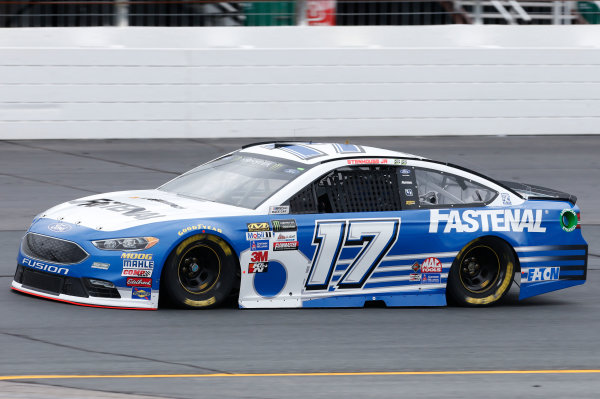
pixel 68 13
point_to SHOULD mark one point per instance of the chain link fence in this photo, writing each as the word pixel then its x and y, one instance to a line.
pixel 66 13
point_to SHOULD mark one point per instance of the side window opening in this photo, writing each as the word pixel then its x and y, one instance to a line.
pixel 440 188
pixel 350 189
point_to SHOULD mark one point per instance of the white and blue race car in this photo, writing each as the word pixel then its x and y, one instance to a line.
pixel 287 224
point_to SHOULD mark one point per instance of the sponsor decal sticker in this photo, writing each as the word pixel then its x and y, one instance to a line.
pixel 279 210
pixel 59 227
pixel 399 162
pixel 408 192
pixel 568 220
pixel 263 226
pixel 200 227
pixel 405 172
pixel 414 277
pixel 431 265
pixel 134 211
pixel 286 236
pixel 141 293
pixel 47 268
pixel 137 273
pixel 431 278
pixel 472 220
pixel 100 265
pixel 259 245
pixel 258 235
pixel 541 274
pixel 284 225
pixel 366 161
pixel 136 255
pixel 416 267
pixel 259 267
pixel 285 246
pixel 505 199
pixel 410 202
pixel 139 282
pixel 406 182
pixel 259 256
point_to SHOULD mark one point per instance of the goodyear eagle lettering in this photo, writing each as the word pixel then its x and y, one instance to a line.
pixel 469 221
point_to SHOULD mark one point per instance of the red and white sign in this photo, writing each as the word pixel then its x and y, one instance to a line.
pixel 320 12
pixel 431 265
pixel 366 161
pixel 259 256
pixel 285 246
pixel 139 282
pixel 258 267
pixel 137 272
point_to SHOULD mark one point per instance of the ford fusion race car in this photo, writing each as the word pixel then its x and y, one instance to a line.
pixel 286 224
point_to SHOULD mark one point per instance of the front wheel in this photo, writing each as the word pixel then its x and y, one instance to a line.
pixel 200 273
pixel 482 273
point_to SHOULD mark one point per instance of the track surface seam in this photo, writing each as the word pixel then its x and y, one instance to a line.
pixel 89 156
pixel 26 337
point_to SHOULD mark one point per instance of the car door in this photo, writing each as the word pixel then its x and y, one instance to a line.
pixel 350 228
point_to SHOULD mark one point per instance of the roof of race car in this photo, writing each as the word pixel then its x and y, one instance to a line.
pixel 311 153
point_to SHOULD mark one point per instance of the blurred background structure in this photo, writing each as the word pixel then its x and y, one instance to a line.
pixel 64 13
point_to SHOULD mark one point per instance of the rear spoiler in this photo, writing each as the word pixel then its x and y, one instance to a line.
pixel 531 192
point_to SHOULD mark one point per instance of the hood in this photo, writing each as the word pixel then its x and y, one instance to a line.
pixel 124 209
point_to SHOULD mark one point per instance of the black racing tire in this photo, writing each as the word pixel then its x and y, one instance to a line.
pixel 482 273
pixel 200 273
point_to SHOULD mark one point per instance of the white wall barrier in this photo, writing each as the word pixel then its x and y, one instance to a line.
pixel 298 81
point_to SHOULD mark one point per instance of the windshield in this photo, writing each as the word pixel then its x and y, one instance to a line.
pixel 245 180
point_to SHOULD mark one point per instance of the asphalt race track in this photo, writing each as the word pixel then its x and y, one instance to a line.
pixel 543 347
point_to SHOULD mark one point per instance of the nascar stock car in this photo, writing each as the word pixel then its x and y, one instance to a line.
pixel 289 224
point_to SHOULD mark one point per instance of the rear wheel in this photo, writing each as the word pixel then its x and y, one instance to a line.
pixel 200 273
pixel 482 273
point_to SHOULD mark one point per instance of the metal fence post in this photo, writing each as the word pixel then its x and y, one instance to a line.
pixel 121 13
pixel 301 18
pixel 477 13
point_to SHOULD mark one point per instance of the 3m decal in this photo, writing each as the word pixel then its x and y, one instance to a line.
pixel 258 235
pixel 45 267
pixel 285 246
pixel 487 220
pixel 139 282
pixel 431 265
pixel 200 227
pixel 541 274
pixel 259 256
pixel 259 245
pixel 134 211
pixel 264 226
pixel 259 267
pixel 284 225
pixel 376 237
pixel 141 293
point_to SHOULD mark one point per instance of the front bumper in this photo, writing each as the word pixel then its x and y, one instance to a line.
pixel 78 291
